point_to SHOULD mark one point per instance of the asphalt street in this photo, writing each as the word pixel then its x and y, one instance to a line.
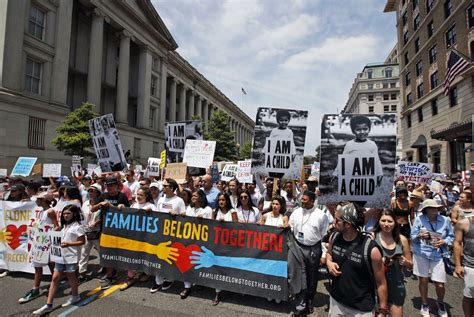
pixel 137 301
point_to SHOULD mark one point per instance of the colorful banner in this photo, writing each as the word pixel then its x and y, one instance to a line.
pixel 176 134
pixel 278 144
pixel 107 144
pixel 199 153
pixel 15 218
pixel 242 258
pixel 419 173
pixel 24 165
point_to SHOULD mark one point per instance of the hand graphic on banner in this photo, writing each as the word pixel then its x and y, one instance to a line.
pixel 5 236
pixel 204 259
pixel 163 250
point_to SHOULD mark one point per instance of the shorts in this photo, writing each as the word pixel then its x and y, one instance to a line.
pixel 36 264
pixel 468 282
pixel 424 267
pixel 336 309
pixel 67 268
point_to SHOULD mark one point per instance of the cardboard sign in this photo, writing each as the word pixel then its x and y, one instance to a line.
pixel 153 167
pixel 51 170
pixel 24 165
pixel 420 173
pixel 244 174
pixel 199 153
pixel 176 171
pixel 229 172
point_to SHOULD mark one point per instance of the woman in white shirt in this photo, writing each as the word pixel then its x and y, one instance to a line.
pixel 246 211
pixel 234 192
pixel 276 217
pixel 199 208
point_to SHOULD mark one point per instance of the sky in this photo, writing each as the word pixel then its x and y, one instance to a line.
pixel 293 54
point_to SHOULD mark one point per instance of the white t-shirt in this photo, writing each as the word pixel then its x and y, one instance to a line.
pixel 146 206
pixel 225 216
pixel 249 216
pixel 70 233
pixel 205 212
pixel 134 186
pixel 174 203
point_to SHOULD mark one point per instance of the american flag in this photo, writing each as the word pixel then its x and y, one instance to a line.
pixel 243 91
pixel 456 64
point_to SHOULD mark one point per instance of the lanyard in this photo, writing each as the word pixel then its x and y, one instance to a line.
pixel 248 216
pixel 303 222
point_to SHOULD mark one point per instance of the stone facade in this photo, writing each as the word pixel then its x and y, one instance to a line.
pixel 435 128
pixel 118 55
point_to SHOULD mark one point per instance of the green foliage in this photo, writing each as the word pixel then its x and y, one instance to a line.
pixel 73 134
pixel 246 151
pixel 317 155
pixel 309 159
pixel 219 131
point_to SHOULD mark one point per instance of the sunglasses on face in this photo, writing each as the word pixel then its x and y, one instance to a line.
pixel 244 197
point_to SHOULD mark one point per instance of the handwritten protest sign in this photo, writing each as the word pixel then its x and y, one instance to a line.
pixel 56 249
pixel 51 170
pixel 420 173
pixel 40 243
pixel 23 166
pixel 176 171
pixel 229 172
pixel 244 174
pixel 153 167
pixel 199 153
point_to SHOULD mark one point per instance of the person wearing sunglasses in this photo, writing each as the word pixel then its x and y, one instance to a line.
pixel 246 211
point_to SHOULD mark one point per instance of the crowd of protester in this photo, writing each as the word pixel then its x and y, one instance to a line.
pixel 368 253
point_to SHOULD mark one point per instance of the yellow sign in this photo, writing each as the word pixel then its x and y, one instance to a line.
pixel 163 159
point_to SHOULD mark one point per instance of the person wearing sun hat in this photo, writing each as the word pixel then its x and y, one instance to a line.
pixel 432 234
pixel 415 203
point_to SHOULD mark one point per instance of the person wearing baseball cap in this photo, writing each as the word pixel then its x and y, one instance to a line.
pixel 155 192
pixel 432 234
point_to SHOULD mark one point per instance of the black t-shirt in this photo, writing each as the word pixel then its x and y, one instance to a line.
pixel 116 200
pixel 355 286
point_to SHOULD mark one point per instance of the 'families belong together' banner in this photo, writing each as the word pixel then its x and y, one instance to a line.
pixel 243 258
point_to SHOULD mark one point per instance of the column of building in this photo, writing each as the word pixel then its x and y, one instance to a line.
pixel 123 76
pixel 144 83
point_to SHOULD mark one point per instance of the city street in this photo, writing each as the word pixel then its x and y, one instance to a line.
pixel 137 301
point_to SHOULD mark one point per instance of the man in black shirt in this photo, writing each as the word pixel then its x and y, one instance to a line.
pixel 113 197
pixel 355 263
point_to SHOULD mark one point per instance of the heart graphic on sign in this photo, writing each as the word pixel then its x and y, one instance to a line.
pixel 183 263
pixel 16 233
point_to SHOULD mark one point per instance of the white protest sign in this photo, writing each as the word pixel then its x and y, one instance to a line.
pixel 40 243
pixel 153 167
pixel 138 168
pixel 76 166
pixel 419 173
pixel 56 249
pixel 199 153
pixel 97 171
pixel 436 187
pixel 51 170
pixel 175 136
pixel 244 174
pixel 229 172
pixel 279 154
pixel 90 169
pixel 3 172
pixel 358 176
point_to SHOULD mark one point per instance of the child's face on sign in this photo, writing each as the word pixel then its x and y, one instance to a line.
pixel 361 131
pixel 283 122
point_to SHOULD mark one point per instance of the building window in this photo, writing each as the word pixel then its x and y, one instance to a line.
pixel 419 68
pixel 434 107
pixel 409 120
pixel 152 117
pixel 458 159
pixel 393 85
pixel 420 91
pixel 388 73
pixel 137 148
pixel 409 99
pixel 407 79
pixel 406 58
pixel 430 28
pixel 385 85
pixel 36 22
pixel 429 5
pixel 420 114
pixel 434 80
pixel 393 96
pixel 370 98
pixel 417 45
pixel 453 96
pixel 416 22
pixel 36 133
pixel 433 54
pixel 448 8
pixel 369 74
pixel 451 36
pixel 386 108
pixel 394 108
pixel 370 86
pixel 385 97
pixel 405 18
pixel 371 109
pixel 155 64
pixel 470 16
pixel 33 75
pixel 405 38
pixel 156 149
pixel 154 86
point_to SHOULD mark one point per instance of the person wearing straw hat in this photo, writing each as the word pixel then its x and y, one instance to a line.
pixel 415 203
pixel 431 236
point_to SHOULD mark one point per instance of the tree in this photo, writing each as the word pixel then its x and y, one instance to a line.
pixel 219 131
pixel 73 134
pixel 246 151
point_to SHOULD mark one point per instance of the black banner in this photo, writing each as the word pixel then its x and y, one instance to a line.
pixel 242 258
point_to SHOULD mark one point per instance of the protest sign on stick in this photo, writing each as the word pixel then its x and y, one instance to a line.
pixel 229 172
pixel 278 145
pixel 357 159
pixel 419 173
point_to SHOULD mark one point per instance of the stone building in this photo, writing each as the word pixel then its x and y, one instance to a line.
pixel 435 128
pixel 118 55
